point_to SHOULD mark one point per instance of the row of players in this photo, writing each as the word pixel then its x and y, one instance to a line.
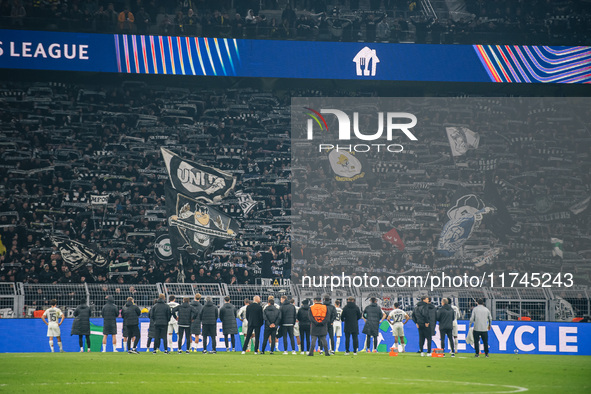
pixel 304 325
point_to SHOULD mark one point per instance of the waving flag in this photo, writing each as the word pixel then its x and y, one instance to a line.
pixel 393 237
pixel 194 226
pixel 196 180
pixel 461 139
pixel 556 247
pixel 346 166
pixel 456 232
pixel 76 254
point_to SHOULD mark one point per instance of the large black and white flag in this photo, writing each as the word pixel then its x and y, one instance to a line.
pixel 197 180
pixel 464 203
pixel 196 227
pixel 461 139
pixel 76 254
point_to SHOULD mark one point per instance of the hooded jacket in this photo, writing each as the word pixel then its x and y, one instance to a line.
pixel 272 315
pixel 130 314
pixel 350 316
pixel 331 312
pixel 196 323
pixel 160 313
pixel 288 313
pixel 109 312
pixel 209 313
pixel 373 314
pixel 184 313
pixel 425 313
pixel 228 318
pixel 445 317
pixel 81 324
pixel 304 317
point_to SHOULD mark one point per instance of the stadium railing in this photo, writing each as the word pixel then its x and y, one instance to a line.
pixel 11 299
pixel 23 299
pixel 216 291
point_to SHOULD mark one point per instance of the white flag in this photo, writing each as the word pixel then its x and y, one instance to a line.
pixel 556 247
pixel 461 139
pixel 99 200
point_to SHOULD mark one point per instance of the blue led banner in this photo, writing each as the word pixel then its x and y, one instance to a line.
pixel 138 54
pixel 30 335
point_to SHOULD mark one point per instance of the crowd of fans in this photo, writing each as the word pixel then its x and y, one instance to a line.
pixel 539 22
pixel 62 144
pixel 534 151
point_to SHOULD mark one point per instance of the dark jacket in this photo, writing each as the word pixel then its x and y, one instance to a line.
pixel 272 315
pixel 372 314
pixel 228 318
pixel 318 316
pixel 288 313
pixel 109 315
pixel 425 313
pixel 130 314
pixel 350 316
pixel 332 312
pixel 160 313
pixel 445 317
pixel 209 313
pixel 184 314
pixel 304 317
pixel 254 315
pixel 196 324
pixel 81 324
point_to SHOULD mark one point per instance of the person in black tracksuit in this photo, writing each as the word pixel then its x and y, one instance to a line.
pixel 425 317
pixel 229 325
pixel 350 316
pixel 330 318
pixel 184 314
pixel 130 314
pixel 209 319
pixel 304 321
pixel 288 319
pixel 254 316
pixel 196 323
pixel 272 316
pixel 445 317
pixel 161 314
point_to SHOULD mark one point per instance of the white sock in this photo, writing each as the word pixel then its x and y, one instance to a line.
pixel 60 345
pixel 455 344
pixel 337 344
pixel 51 344
pixel 124 346
pixel 104 347
pixel 82 349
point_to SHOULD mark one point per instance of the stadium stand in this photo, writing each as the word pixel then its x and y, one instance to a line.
pixel 62 143
pixel 498 22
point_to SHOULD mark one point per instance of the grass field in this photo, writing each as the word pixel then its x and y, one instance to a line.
pixel 236 373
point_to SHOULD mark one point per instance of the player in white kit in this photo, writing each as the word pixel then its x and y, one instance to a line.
pixel 242 317
pixel 173 325
pixel 337 326
pixel 397 319
pixel 454 331
pixel 53 318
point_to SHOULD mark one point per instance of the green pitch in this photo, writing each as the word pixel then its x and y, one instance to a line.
pixel 236 373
